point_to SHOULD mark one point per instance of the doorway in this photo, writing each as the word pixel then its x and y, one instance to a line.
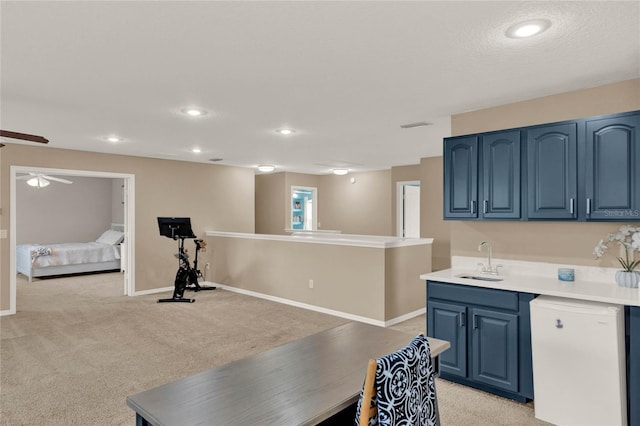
pixel 128 196
pixel 304 208
pixel 408 209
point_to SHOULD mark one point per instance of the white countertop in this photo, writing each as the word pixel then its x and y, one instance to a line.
pixel 597 291
pixel 373 241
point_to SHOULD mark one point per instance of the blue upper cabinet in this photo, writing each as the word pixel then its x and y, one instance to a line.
pixel 496 158
pixel 612 178
pixel 552 175
pixel 586 169
pixel 461 178
pixel 501 175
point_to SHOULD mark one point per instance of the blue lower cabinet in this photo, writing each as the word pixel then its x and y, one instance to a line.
pixel 494 348
pixel 489 334
pixel 447 321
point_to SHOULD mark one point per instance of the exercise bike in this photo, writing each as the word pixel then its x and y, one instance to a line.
pixel 186 277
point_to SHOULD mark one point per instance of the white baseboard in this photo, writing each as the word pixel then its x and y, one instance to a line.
pixel 405 317
pixel 284 301
pixel 320 309
pixel 7 312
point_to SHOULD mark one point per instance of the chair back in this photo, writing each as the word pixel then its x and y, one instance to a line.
pixel 399 388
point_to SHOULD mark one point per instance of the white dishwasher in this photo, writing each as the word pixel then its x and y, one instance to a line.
pixel 579 368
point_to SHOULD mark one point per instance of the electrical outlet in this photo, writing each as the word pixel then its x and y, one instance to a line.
pixel 310 283
pixel 3 233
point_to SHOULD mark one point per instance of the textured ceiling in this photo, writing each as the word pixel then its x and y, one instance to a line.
pixel 346 75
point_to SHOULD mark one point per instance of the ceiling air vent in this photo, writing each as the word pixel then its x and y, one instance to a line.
pixel 215 159
pixel 418 124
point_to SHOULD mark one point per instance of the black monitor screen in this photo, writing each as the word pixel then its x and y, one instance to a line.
pixel 175 227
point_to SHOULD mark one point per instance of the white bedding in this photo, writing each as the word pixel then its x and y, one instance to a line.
pixel 67 254
pixel 43 260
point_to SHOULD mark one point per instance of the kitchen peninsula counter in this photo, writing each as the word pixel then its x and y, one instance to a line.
pixel 368 278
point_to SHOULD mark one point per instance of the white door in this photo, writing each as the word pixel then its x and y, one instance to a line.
pixel 411 211
pixel 408 209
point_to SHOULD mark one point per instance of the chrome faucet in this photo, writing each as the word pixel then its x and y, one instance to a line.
pixel 489 269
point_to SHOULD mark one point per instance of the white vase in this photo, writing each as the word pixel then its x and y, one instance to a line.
pixel 628 279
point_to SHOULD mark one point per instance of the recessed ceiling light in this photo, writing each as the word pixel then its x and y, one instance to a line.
pixel 196 150
pixel 114 139
pixel 340 172
pixel 194 112
pixel 266 168
pixel 285 131
pixel 528 28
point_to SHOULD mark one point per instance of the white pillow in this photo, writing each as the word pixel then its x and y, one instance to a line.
pixel 111 237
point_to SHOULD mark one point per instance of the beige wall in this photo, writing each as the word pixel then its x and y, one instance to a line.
pixel 346 279
pixel 556 242
pixel 363 207
pixel 376 283
pixel 215 197
pixel 602 100
pixel 271 202
pixel 405 292
pixel 431 223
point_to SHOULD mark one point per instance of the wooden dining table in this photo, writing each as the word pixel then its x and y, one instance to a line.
pixel 299 383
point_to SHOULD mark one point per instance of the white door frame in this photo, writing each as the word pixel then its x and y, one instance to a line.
pixel 129 223
pixel 400 205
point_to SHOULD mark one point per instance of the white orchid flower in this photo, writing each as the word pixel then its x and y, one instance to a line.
pixel 627 236
pixel 626 230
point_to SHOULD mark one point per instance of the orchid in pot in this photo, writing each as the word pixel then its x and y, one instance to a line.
pixel 628 237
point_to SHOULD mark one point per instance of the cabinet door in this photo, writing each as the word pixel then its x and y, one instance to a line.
pixel 494 348
pixel 461 177
pixel 612 176
pixel 552 174
pixel 447 321
pixel 501 175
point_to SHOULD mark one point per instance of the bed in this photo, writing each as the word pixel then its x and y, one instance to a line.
pixel 42 260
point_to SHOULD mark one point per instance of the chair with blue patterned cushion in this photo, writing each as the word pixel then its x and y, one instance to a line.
pixel 399 388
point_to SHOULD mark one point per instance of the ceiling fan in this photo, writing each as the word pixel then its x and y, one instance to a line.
pixel 40 180
pixel 22 136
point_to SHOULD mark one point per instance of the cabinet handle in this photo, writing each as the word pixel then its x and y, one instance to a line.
pixel 473 207
pixel 571 205
pixel 588 205
pixel 475 321
pixel 462 319
pixel 484 208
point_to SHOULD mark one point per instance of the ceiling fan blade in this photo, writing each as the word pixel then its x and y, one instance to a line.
pixel 27 177
pixel 23 136
pixel 55 179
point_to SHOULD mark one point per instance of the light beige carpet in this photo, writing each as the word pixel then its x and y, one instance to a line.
pixel 76 348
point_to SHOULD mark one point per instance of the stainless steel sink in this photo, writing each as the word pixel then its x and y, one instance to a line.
pixel 479 277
